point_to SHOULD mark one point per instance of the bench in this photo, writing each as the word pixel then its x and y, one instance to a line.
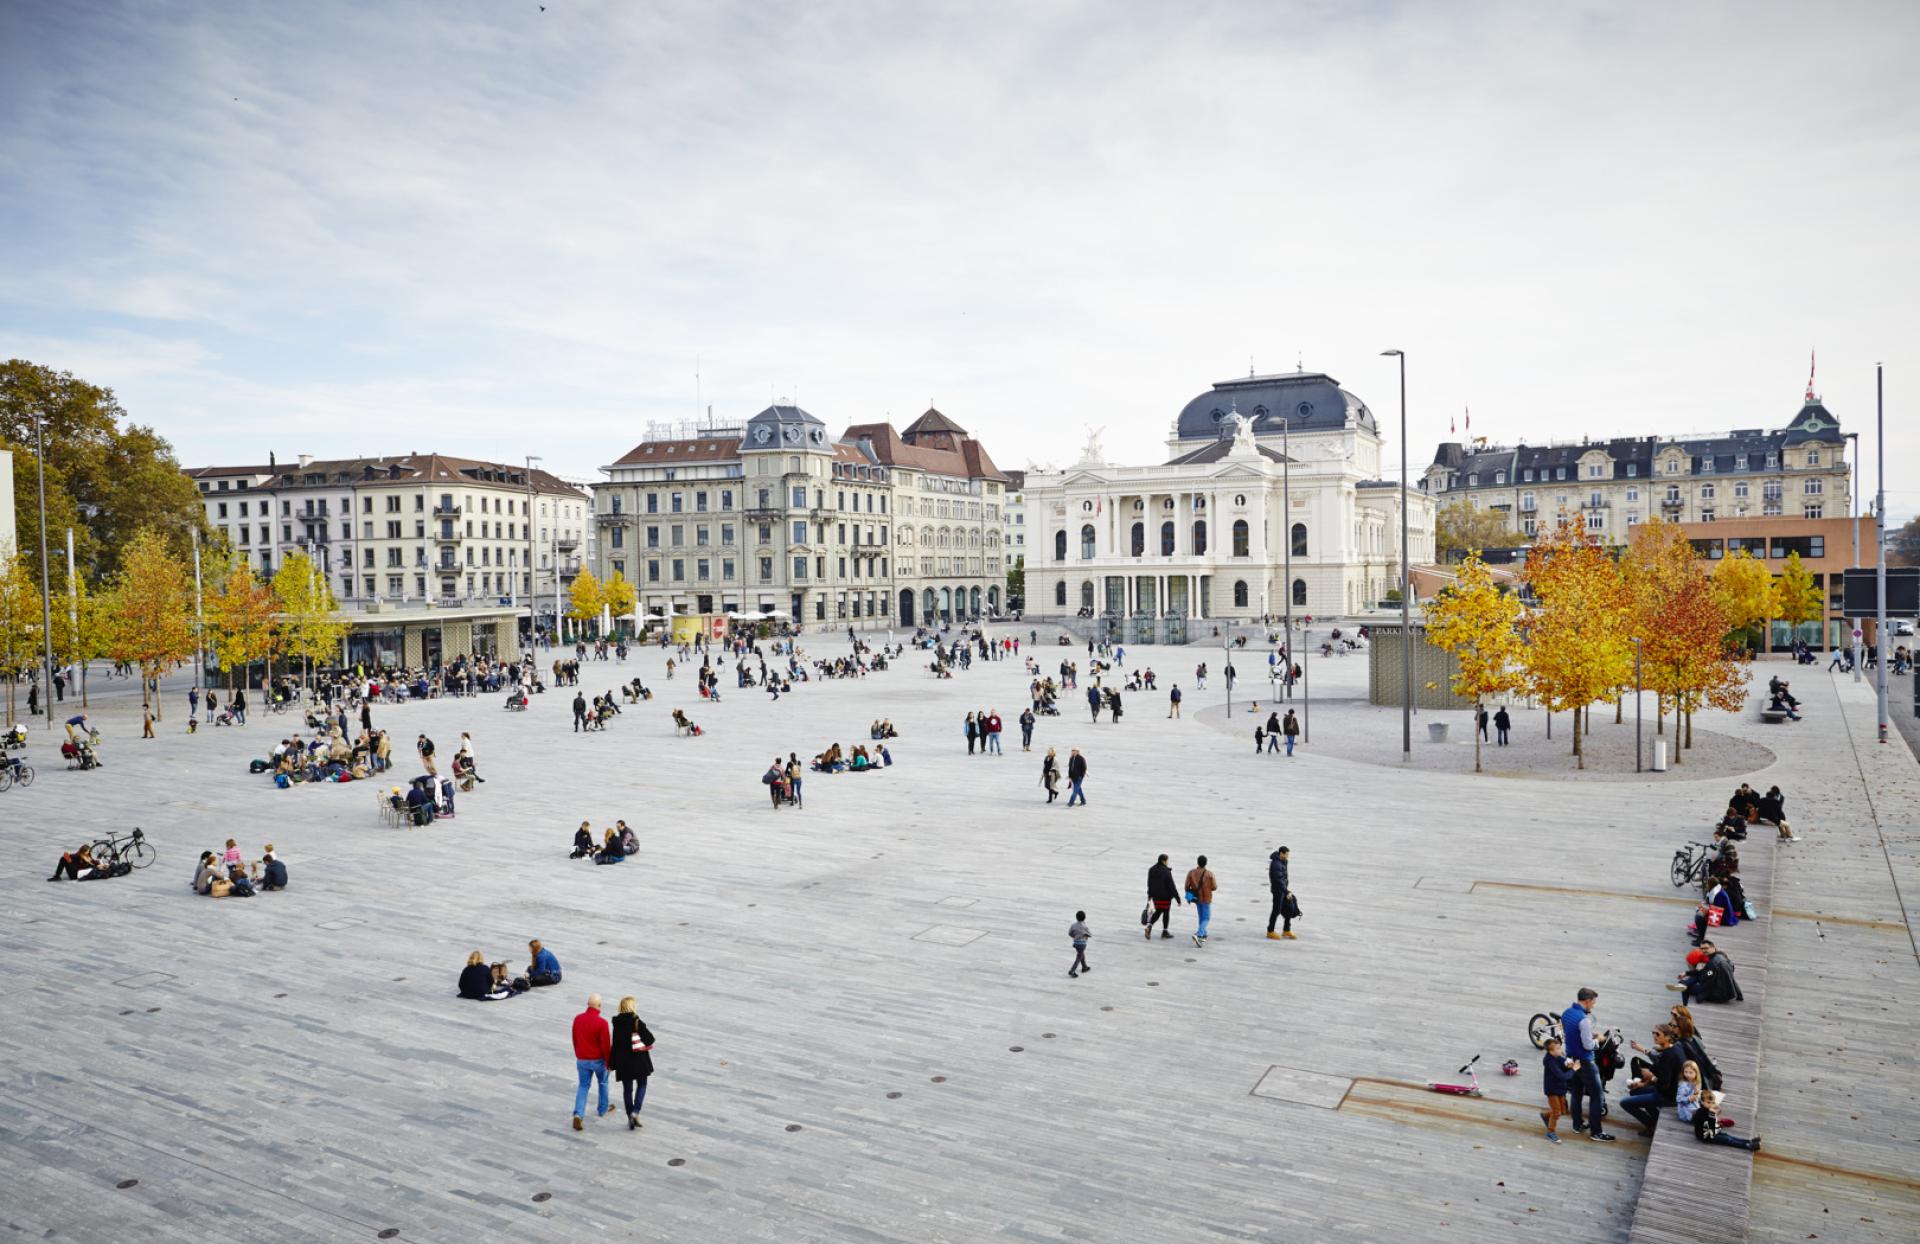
pixel 1683 1175
pixel 1773 716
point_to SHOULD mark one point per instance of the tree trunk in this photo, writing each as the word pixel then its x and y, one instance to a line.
pixel 1476 737
pixel 1689 727
pixel 1619 706
pixel 83 685
pixel 1579 757
pixel 1659 713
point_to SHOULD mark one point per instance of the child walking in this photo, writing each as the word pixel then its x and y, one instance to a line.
pixel 1556 1065
pixel 1079 933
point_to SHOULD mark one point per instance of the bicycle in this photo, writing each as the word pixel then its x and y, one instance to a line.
pixel 1470 1089
pixel 1689 864
pixel 132 850
pixel 1543 1028
pixel 14 772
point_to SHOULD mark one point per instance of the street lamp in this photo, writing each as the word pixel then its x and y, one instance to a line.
pixel 1286 549
pixel 533 595
pixel 1636 705
pixel 1406 606
pixel 46 596
pixel 1854 644
pixel 1880 525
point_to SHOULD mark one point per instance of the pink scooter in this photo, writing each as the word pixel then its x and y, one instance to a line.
pixel 1470 1089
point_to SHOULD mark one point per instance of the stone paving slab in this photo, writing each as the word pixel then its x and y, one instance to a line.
pixel 299 1082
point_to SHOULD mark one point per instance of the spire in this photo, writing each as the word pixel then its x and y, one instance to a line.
pixel 1812 358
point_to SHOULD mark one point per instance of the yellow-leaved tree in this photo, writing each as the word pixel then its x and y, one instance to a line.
pixel 1743 588
pixel 1480 625
pixel 81 627
pixel 308 627
pixel 1576 636
pixel 618 596
pixel 1796 598
pixel 1677 616
pixel 150 617
pixel 242 626
pixel 21 649
pixel 584 599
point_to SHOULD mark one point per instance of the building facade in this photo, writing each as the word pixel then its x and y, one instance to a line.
pixel 415 528
pixel 1827 548
pixel 9 537
pixel 1608 486
pixel 1270 501
pixel 1014 537
pixel 777 517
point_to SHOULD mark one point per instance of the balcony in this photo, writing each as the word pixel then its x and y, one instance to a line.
pixel 1673 503
pixel 448 536
pixel 567 544
pixel 446 511
pixel 613 518
pixel 764 514
pixel 1528 507
pixel 1591 504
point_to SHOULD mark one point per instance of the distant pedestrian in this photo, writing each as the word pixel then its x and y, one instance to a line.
pixel 59 686
pixel 1162 893
pixel 146 715
pixel 193 701
pixel 1480 721
pixel 579 711
pixel 1093 701
pixel 1273 731
pixel 632 1059
pixel 1050 776
pixel 425 748
pixel 1173 701
pixel 1291 728
pixel 993 732
pixel 1077 932
pixel 1026 729
pixel 1200 676
pixel 1259 739
pixel 973 733
pixel 591 1047
pixel 1284 908
pixel 1076 774
pixel 1501 724
pixel 1200 886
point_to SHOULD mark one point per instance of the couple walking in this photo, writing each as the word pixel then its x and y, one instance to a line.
pixel 1199 889
pixel 626 1049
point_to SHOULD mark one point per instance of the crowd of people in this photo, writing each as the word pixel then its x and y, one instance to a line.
pixel 228 874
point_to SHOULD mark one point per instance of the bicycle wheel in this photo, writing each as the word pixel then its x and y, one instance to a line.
pixel 1682 870
pixel 23 776
pixel 1541 1028
pixel 6 777
pixel 138 854
pixel 104 851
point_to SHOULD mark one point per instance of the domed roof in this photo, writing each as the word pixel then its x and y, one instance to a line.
pixel 1814 423
pixel 1308 401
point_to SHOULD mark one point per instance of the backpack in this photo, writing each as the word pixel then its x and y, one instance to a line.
pixel 258 766
pixel 282 781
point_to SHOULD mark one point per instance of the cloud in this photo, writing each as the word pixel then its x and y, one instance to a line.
pixel 489 225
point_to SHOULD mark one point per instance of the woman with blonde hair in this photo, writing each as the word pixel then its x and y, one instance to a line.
pixel 476 979
pixel 632 1059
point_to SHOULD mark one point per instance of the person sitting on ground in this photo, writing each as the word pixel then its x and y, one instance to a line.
pixel 629 841
pixel 273 873
pixel 204 875
pixel 873 731
pixel 79 865
pixel 1732 825
pixel 1779 704
pixel 582 841
pixel 1708 978
pixel 1699 1106
pixel 860 762
pixel 610 851
pixel 544 969
pixel 239 886
pixel 476 979
pixel 1772 807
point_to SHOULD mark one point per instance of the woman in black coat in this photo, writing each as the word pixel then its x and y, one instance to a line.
pixel 476 979
pixel 631 1060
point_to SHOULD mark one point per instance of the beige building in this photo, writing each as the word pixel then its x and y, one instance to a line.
pixel 1609 486
pixel 9 538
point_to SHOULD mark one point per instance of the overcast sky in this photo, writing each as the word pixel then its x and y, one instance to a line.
pixel 490 229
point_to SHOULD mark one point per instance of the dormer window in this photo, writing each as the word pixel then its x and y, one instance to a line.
pixel 1813 457
pixel 1673 466
pixel 1499 477
pixel 1473 480
pixel 1739 462
pixel 1773 461
pixel 1527 475
pixel 1633 468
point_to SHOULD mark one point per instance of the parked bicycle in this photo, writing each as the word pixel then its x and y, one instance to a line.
pixel 1543 1028
pixel 1690 863
pixel 132 850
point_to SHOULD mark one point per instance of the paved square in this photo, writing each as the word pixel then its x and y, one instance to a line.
pixel 307 1072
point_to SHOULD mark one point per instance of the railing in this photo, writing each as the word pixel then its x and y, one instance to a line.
pixel 612 517
pixel 567 544
pixel 448 537
pixel 446 511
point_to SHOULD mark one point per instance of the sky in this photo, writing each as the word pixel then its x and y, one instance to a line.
pixel 491 229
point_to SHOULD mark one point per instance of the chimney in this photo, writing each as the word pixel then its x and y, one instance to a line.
pixel 304 460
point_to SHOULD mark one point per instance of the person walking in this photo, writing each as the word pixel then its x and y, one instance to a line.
pixel 993 731
pixel 466 749
pixel 425 748
pixel 1576 1026
pixel 1026 729
pixel 1284 908
pixel 1078 934
pixel 1501 724
pixel 973 733
pixel 146 715
pixel 1093 700
pixel 193 702
pixel 1173 701
pixel 1050 776
pixel 1273 731
pixel 1480 721
pixel 591 1047
pixel 1200 886
pixel 1076 774
pixel 1163 894
pixel 579 711
pixel 1291 728
pixel 795 771
pixel 632 1060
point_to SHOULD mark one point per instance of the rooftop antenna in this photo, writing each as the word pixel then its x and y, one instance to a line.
pixel 1299 362
pixel 698 399
pixel 1249 366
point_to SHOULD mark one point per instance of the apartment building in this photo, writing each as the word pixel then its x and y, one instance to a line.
pixel 1013 514
pixel 1799 470
pixel 419 527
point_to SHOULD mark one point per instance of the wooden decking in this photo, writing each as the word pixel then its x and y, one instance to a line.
pixel 1695 1193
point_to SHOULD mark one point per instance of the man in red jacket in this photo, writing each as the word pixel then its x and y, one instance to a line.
pixel 591 1045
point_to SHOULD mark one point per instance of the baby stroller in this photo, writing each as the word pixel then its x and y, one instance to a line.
pixel 224 717
pixel 79 754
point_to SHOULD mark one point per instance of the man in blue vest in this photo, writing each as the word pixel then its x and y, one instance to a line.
pixel 1576 1028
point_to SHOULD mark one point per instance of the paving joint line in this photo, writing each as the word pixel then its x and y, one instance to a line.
pixel 1873 810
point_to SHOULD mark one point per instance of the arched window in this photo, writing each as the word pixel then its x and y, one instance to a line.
pixel 1299 539
pixel 1139 542
pixel 1239 537
pixel 1060 548
pixel 1166 539
pixel 1200 536
pixel 1086 594
pixel 1240 593
pixel 1060 592
pixel 1299 591
pixel 1086 541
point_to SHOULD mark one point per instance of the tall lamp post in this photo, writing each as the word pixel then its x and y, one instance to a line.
pixel 46 597
pixel 533 594
pixel 1406 605
pixel 1880 566
pixel 1854 644
pixel 1286 549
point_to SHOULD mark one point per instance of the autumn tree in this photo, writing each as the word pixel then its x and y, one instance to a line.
pixel 1462 528
pixel 82 620
pixel 584 597
pixel 1683 627
pixel 151 613
pixel 619 596
pixel 1796 599
pixel 1743 588
pixel 1479 624
pixel 307 615
pixel 1576 636
pixel 242 626
pixel 21 648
